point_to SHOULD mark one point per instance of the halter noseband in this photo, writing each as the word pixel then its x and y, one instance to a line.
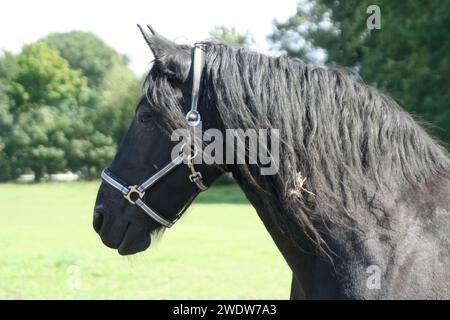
pixel 135 194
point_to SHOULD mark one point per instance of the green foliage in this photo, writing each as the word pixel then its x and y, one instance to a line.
pixel 44 78
pixel 49 141
pixel 86 52
pixel 231 36
pixel 408 57
pixel 8 65
pixel 35 142
pixel 7 171
pixel 120 91
pixel 8 71
pixel 52 119
pixel 37 76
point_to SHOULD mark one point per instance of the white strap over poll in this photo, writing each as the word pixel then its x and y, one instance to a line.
pixel 193 116
pixel 135 194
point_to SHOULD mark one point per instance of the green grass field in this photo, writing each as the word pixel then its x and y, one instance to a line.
pixel 217 251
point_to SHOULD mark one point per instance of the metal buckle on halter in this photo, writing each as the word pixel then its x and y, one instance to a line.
pixel 131 190
pixel 195 176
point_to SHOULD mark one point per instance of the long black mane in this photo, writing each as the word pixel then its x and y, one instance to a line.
pixel 349 140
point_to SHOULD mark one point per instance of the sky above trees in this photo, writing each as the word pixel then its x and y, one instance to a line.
pixel 25 21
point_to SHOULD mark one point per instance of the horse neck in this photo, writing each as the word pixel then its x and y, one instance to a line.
pixel 354 253
pixel 305 264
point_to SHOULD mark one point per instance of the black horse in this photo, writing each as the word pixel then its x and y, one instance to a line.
pixel 372 220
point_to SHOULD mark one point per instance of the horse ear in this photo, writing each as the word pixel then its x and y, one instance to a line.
pixel 153 39
pixel 151 29
pixel 172 59
pixel 158 44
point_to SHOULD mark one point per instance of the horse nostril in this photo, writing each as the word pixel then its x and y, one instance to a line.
pixel 98 221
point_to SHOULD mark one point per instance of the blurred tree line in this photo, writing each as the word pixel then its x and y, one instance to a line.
pixel 408 57
pixel 65 102
pixel 67 99
pixel 231 36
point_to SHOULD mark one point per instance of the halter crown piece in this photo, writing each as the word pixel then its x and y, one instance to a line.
pixel 135 193
pixel 193 116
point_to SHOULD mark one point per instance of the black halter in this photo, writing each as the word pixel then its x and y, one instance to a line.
pixel 135 193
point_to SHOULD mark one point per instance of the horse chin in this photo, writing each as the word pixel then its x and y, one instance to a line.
pixel 116 233
pixel 131 247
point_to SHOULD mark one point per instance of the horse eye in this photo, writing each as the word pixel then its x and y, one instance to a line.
pixel 145 117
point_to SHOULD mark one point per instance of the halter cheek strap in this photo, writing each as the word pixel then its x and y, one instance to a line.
pixel 135 193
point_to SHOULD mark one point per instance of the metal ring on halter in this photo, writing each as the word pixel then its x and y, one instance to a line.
pixel 182 148
pixel 190 156
pixel 193 118
pixel 131 190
